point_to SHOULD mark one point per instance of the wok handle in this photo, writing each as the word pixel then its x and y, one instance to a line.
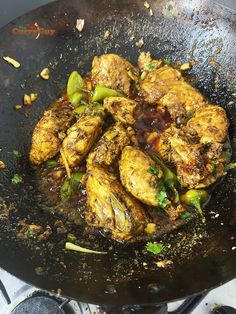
pixel 4 292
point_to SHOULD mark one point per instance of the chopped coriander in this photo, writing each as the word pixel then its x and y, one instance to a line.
pixel 153 170
pixel 17 153
pixel 162 197
pixel 154 247
pixel 231 165
pixel 166 61
pixel 186 215
pixel 151 66
pixel 16 179
pixel 51 163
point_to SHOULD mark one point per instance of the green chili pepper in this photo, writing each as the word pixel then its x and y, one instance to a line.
pixel 81 109
pixel 195 198
pixel 101 92
pixel 169 178
pixel 70 186
pixel 74 86
pixel 76 98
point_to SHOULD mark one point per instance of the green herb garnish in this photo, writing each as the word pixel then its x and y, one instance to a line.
pixel 51 163
pixel 17 153
pixel 185 215
pixel 166 61
pixel 16 179
pixel 153 170
pixel 162 197
pixel 151 66
pixel 154 247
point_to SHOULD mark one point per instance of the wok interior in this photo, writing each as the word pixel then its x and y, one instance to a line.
pixel 167 37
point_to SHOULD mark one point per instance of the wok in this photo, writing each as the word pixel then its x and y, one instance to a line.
pixel 177 30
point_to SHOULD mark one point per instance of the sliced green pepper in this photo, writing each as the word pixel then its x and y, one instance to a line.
pixel 76 98
pixel 81 109
pixel 195 198
pixel 74 86
pixel 169 178
pixel 101 92
pixel 70 186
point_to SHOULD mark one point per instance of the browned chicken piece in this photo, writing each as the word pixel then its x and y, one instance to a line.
pixel 197 165
pixel 80 138
pixel 181 101
pixel 122 109
pixel 155 82
pixel 137 177
pixel 50 131
pixel 111 207
pixel 210 123
pixel 109 146
pixel 113 71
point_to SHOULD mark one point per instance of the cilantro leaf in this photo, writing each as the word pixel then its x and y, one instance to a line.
pixel 151 66
pixel 153 170
pixel 185 215
pixel 16 179
pixel 154 247
pixel 166 61
pixel 162 197
pixel 17 153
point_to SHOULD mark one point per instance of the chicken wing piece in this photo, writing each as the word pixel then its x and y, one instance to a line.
pixel 50 131
pixel 122 109
pixel 156 81
pixel 140 175
pixel 112 71
pixel 80 138
pixel 111 207
pixel 210 123
pixel 181 101
pixel 110 146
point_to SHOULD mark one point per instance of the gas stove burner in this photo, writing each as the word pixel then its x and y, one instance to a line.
pixel 40 305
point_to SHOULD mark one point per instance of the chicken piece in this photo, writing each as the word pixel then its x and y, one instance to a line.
pixel 197 165
pixel 137 177
pixel 50 131
pixel 155 82
pixel 210 123
pixel 111 207
pixel 112 71
pixel 80 138
pixel 181 101
pixel 122 109
pixel 109 146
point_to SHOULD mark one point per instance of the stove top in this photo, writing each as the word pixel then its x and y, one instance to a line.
pixel 17 297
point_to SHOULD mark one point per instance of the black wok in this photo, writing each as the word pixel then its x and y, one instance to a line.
pixel 177 30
